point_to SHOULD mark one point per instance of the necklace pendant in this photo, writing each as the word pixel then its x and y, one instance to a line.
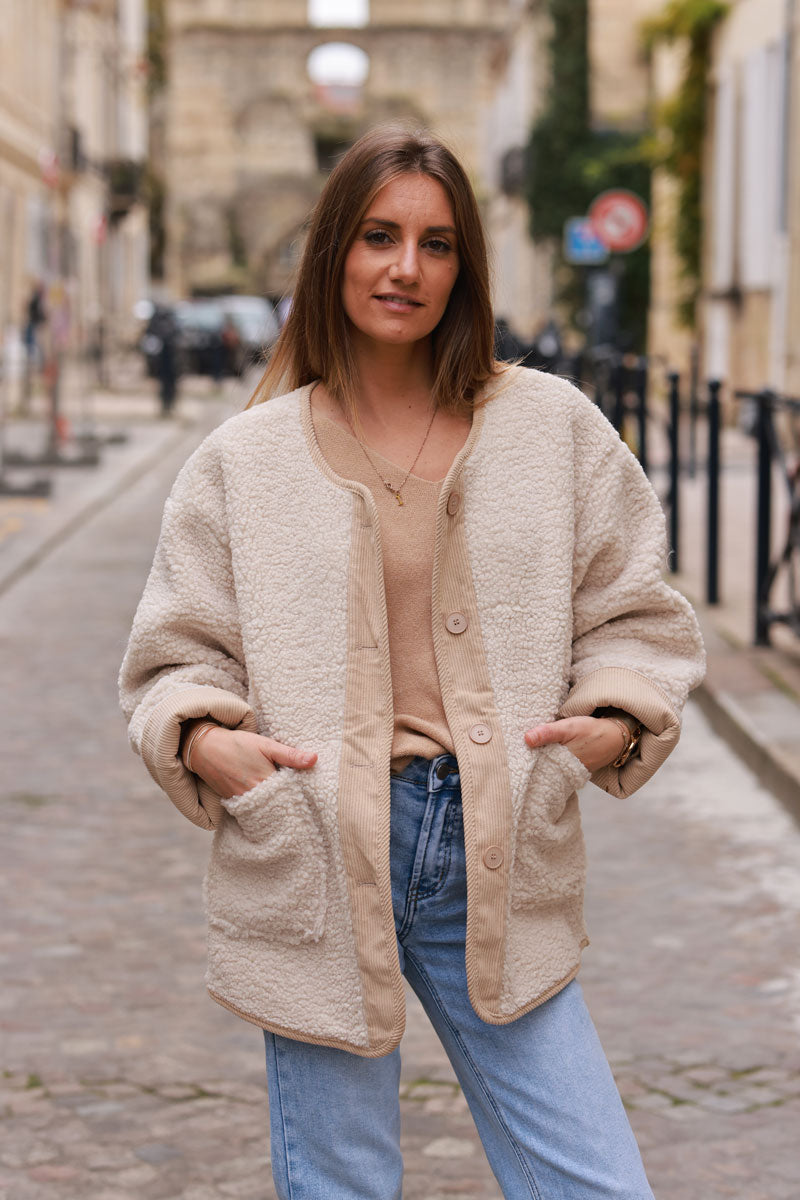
pixel 399 499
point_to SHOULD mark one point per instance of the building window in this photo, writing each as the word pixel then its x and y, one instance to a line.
pixel 338 14
pixel 724 186
pixel 338 71
pixel 759 165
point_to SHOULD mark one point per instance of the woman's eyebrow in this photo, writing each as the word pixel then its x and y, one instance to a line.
pixel 395 225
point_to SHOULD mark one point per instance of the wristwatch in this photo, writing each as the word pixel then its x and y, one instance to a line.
pixel 630 727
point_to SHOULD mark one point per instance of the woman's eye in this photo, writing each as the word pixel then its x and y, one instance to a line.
pixel 377 237
pixel 438 245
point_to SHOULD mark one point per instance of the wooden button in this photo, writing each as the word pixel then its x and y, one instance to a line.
pixel 493 857
pixel 480 734
pixel 456 623
pixel 453 503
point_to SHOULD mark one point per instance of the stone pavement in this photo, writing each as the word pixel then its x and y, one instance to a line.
pixel 126 419
pixel 122 1080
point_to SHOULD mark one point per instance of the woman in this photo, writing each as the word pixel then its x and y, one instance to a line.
pixel 397 616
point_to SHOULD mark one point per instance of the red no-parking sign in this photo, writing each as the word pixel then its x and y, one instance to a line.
pixel 620 219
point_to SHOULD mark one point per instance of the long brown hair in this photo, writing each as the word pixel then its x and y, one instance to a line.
pixel 315 341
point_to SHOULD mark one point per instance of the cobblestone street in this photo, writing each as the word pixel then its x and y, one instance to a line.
pixel 122 1080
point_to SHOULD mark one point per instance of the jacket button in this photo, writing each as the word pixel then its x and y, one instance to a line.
pixel 480 734
pixel 493 857
pixel 453 503
pixel 456 623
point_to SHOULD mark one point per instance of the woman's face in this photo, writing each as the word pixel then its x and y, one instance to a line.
pixel 400 270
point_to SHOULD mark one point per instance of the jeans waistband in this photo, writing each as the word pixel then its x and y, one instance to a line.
pixel 432 773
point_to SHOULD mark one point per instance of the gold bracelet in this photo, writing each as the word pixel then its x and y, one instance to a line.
pixel 194 737
pixel 632 737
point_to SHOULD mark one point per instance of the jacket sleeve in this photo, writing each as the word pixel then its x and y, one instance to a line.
pixel 184 658
pixel 636 644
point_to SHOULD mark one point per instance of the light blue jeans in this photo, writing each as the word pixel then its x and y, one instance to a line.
pixel 540 1089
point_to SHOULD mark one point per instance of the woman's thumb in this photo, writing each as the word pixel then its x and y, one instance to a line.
pixel 545 735
pixel 290 756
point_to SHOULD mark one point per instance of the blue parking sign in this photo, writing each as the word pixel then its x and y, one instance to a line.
pixel 582 246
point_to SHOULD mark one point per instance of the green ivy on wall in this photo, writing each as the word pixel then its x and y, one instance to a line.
pixel 155 187
pixel 681 128
pixel 555 185
pixel 569 163
pixel 156 49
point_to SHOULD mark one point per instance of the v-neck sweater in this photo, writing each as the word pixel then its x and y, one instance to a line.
pixel 407 535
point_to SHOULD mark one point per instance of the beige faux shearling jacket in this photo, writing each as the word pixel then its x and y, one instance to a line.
pixel 265 609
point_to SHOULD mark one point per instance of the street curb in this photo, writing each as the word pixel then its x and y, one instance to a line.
pixel 729 721
pixel 728 716
pixel 85 512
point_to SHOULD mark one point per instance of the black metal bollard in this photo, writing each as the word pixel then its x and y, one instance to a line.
pixel 618 392
pixel 764 517
pixel 641 394
pixel 712 510
pixel 674 468
pixel 694 369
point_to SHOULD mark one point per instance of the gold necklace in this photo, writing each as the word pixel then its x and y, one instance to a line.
pixel 390 487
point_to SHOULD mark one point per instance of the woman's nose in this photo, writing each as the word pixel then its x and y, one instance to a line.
pixel 405 267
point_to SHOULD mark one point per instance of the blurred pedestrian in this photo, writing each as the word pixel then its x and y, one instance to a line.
pixel 35 318
pixel 164 338
pixel 233 351
pixel 398 615
pixel 545 352
pixel 507 346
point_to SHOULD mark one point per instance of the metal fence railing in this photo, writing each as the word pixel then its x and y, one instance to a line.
pixel 621 386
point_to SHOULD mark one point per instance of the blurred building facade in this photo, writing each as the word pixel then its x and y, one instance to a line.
pixel 625 84
pixel 748 312
pixel 621 93
pixel 106 151
pixel 73 144
pixel 250 134
pixel 523 271
pixel 29 93
pixel 751 260
pixel 619 83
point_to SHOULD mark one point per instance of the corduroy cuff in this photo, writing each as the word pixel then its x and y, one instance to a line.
pixel 618 687
pixel 161 740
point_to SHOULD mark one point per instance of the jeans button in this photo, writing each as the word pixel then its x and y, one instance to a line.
pixel 442 771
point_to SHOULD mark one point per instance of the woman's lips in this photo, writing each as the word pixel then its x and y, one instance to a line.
pixel 396 303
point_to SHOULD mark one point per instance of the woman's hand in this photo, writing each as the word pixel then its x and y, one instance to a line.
pixel 232 761
pixel 596 741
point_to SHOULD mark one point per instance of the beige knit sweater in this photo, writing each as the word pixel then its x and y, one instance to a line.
pixel 420 724
pixel 266 608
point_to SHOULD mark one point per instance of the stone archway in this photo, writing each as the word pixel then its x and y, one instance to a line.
pixel 249 133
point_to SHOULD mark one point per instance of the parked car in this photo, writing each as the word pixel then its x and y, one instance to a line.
pixel 201 323
pixel 219 335
pixel 254 320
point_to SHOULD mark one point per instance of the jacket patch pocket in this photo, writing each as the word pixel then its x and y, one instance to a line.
pixel 548 845
pixel 573 770
pixel 267 874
